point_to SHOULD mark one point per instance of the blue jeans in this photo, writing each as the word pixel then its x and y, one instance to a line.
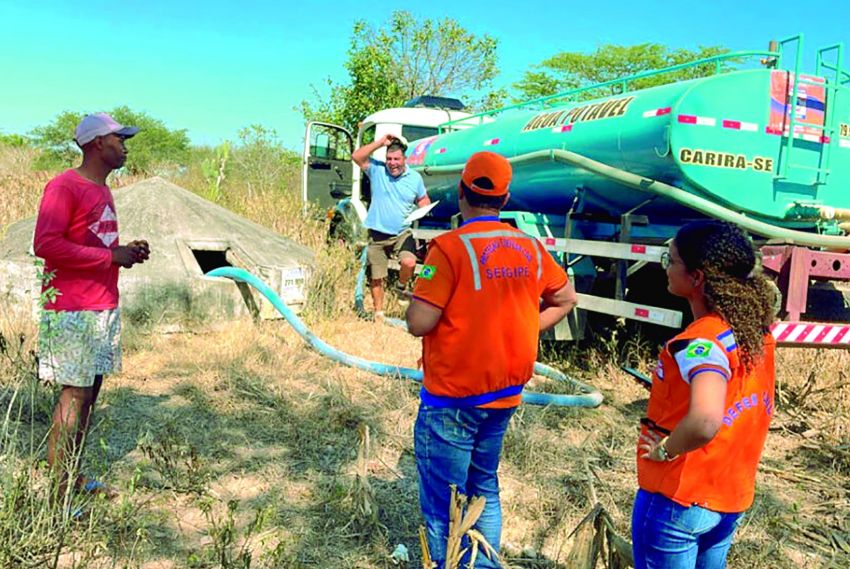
pixel 667 535
pixel 461 447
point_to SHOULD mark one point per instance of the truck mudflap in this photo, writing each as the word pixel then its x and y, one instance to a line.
pixel 811 334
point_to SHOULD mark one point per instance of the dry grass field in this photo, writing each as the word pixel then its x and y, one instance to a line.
pixel 20 187
pixel 237 446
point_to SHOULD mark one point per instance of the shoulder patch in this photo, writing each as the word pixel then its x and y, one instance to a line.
pixel 698 349
pixel 727 338
pixel 428 272
pixel 702 355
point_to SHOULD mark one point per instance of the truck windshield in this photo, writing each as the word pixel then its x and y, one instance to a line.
pixel 411 132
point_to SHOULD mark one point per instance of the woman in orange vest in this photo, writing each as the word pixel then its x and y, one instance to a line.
pixel 710 406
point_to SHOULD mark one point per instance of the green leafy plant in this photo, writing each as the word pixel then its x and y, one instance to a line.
pixel 14 140
pixel 214 169
pixel 178 464
pixel 230 547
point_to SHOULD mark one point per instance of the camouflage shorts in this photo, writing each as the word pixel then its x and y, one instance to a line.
pixel 75 346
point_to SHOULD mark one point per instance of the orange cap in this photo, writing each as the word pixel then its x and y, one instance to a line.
pixel 490 165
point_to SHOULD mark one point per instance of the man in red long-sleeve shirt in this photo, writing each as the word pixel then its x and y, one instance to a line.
pixel 76 234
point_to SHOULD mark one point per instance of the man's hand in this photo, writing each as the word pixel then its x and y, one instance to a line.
pixel 124 255
pixel 142 249
pixel 361 155
pixel 131 254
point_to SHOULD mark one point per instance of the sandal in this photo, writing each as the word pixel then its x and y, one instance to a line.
pixel 94 487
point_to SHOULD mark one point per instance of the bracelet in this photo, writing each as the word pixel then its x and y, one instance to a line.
pixel 662 451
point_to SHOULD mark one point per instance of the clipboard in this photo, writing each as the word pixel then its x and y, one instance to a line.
pixel 420 212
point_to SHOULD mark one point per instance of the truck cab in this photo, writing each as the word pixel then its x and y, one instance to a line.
pixel 337 186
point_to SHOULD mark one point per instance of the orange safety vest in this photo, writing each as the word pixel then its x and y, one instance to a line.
pixel 487 277
pixel 719 476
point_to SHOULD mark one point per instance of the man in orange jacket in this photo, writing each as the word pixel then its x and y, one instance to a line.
pixel 477 305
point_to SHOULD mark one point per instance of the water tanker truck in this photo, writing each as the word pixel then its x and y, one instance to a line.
pixel 605 181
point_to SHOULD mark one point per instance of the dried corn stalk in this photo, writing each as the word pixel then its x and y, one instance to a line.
pixel 365 512
pixel 426 552
pixel 587 542
pixel 595 535
pixel 462 516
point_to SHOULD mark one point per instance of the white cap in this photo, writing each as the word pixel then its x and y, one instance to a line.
pixel 100 124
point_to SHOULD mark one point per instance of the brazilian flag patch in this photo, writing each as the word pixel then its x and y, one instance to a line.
pixel 427 272
pixel 698 349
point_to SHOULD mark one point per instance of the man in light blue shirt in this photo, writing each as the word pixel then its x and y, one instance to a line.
pixel 396 192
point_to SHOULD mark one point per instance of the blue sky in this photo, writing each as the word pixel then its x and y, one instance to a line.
pixel 213 67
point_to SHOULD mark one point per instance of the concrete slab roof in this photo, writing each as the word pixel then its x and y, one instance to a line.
pixel 188 236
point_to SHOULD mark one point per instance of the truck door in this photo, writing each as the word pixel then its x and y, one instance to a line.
pixel 327 168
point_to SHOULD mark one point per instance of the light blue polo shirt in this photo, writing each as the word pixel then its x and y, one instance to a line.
pixel 393 199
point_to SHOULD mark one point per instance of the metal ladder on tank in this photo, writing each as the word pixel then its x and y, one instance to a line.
pixel 832 87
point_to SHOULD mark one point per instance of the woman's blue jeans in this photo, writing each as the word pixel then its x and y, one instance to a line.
pixel 667 535
pixel 461 447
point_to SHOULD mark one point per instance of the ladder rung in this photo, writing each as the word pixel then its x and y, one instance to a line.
pixel 812 168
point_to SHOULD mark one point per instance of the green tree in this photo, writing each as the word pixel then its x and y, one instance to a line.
pixel 404 58
pixel 571 70
pixel 261 164
pixel 155 146
pixel 56 142
pixel 14 140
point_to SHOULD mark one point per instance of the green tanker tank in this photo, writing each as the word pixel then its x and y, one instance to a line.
pixel 766 147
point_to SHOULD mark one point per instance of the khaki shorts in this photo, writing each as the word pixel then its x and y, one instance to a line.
pixel 75 346
pixel 383 246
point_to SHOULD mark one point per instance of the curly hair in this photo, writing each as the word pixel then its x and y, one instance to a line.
pixel 735 286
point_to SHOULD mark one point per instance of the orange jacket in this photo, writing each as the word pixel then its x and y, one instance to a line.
pixel 487 277
pixel 721 475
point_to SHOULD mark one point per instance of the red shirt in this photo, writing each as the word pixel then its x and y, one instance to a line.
pixel 487 278
pixel 720 476
pixel 75 232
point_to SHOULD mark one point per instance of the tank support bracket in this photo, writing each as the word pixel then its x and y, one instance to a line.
pixel 626 221
pixel 796 266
